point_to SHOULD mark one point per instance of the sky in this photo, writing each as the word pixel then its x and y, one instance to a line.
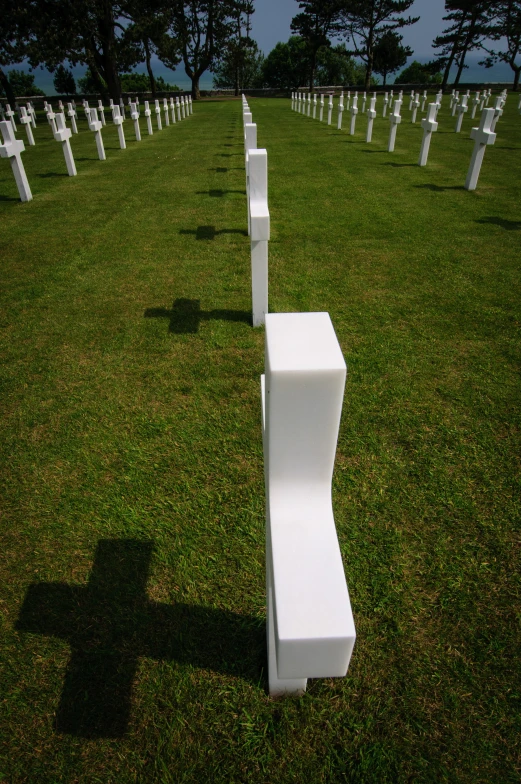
pixel 271 24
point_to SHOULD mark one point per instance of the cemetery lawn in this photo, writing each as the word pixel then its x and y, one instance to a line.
pixel 132 644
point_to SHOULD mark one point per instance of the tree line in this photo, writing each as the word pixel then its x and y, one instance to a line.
pixel 333 41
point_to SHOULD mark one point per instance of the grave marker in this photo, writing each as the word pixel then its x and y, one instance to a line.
pixel 165 109
pixel 72 115
pixel 12 148
pixel 475 104
pixel 148 114
pixel 386 104
pixel 394 119
pixel 354 112
pixel 482 136
pixel 330 110
pixel 157 110
pixel 172 109
pixel 250 143
pixel 371 114
pixel 63 135
pixel 134 115
pixel 259 232
pixel 9 113
pixel 117 119
pixel 315 106
pixel 310 627
pixel 321 108
pixel 424 99
pixel 455 103
pixel 364 100
pixel 95 127
pixel 461 108
pixel 415 104
pixel 25 119
pixel 101 110
pixel 429 126
pixel 51 119
pixel 122 108
pixel 498 111
pixel 178 107
pixel 340 112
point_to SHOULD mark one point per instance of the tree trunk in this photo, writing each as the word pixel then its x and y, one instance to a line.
pixel 108 52
pixel 453 53
pixel 517 72
pixel 385 80
pixel 195 87
pixel 461 64
pixel 149 68
pixel 6 84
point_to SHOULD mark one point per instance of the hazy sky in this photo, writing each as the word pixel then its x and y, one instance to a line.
pixel 272 19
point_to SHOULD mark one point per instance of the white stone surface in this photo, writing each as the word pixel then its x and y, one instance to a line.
pixel 354 111
pixel 394 120
pixel 315 106
pixel 118 122
pixel 134 116
pixel 340 112
pixel 71 112
pixel 12 148
pixel 25 119
pixel 311 631
pixel 429 126
pixel 259 232
pixel 148 115
pixel 330 109
pixel 482 136
pixel 461 108
pixel 371 114
pixel 95 127
pixel 386 104
pixel 101 110
pixel 157 110
pixel 165 110
pixel 415 105
pixel 250 143
pixel 63 135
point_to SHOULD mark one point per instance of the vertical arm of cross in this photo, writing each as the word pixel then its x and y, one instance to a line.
pixel 311 631
pixel 12 149
pixel 482 136
pixel 260 233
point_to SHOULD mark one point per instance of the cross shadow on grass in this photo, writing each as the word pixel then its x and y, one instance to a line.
pixel 9 198
pixel 53 174
pixel 398 165
pixel 439 188
pixel 210 232
pixel 110 622
pixel 508 225
pixel 186 315
pixel 218 193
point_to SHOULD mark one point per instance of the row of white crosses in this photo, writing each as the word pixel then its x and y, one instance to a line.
pixel 12 147
pixel 256 166
pixel 310 626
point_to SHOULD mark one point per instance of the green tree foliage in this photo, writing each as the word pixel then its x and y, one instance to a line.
pixel 141 83
pixel 249 74
pixel 420 73
pixel 365 21
pixel 64 83
pixel 468 28
pixel 199 31
pixel 318 21
pixel 389 54
pixel 21 84
pixel 13 44
pixel 240 56
pixel 335 66
pixel 287 65
pixel 505 25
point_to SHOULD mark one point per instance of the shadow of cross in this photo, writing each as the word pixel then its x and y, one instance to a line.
pixel 110 623
pixel 186 315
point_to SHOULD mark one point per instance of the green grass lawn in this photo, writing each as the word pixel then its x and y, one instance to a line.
pixel 132 644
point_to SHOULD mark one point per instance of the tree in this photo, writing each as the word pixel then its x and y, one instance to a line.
pixel 240 48
pixel 389 55
pixel 336 66
pixel 505 23
pixel 420 73
pixel 21 83
pixel 64 83
pixel 318 20
pixel 13 45
pixel 249 74
pixel 468 30
pixel 140 83
pixel 287 65
pixel 365 21
pixel 198 30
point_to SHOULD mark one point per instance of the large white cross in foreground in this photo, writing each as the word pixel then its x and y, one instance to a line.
pixel 12 149
pixel 482 136
pixel 311 631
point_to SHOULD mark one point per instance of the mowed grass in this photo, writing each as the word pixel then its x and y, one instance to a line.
pixel 132 517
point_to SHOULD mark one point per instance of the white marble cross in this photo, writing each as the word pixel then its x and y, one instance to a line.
pixel 148 114
pixel 330 109
pixel 455 103
pixel 178 107
pixel 315 106
pixel 482 136
pixel 394 119
pixel 411 99
pixel 157 110
pixel 165 110
pixel 101 109
pixel 424 99
pixel 117 119
pixel 71 111
pixel 461 108
pixel 386 104
pixel 354 112
pixel 95 127
pixel 519 105
pixel 51 119
pixel 498 111
pixel 134 115
pixel 415 105
pixel 452 99
pixel 310 626
pixel 371 114
pixel 250 143
pixel 340 112
pixel 259 233
pixel 60 106
pixel 321 115
pixel 309 105
pixel 11 114
pixel 183 107
pixel 429 126
pixel 475 104
pixel 348 101
pixel 86 109
pixel 30 109
pixel 190 104
pixel 364 100
pixel 12 149
pixel 63 135
pixel 172 109
pixel 122 108
pixel 25 119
